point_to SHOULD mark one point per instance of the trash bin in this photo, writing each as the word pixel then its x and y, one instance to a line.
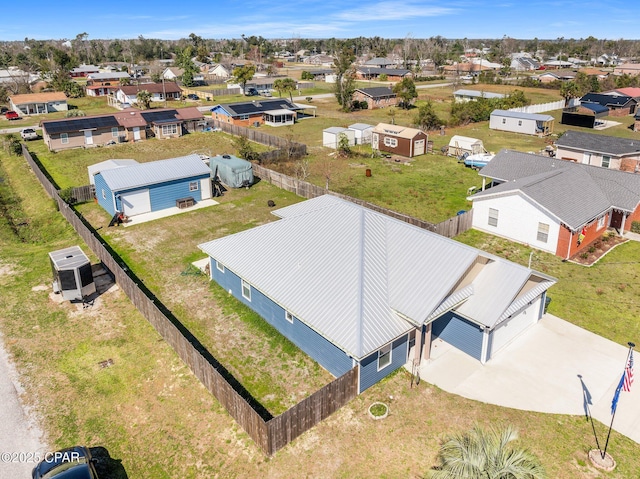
pixel 547 300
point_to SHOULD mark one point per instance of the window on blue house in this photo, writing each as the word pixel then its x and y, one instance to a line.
pixel 220 266
pixel 104 194
pixel 246 290
pixel 193 186
pixel 288 316
pixel 384 357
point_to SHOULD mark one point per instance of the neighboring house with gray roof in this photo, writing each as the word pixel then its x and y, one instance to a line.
pixel 600 150
pixel 554 205
pixel 153 186
pixel 375 73
pixel 376 97
pixel 519 122
pixel 472 95
pixel 380 296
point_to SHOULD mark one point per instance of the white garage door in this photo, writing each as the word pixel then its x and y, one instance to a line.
pixel 516 325
pixel 419 147
pixel 136 202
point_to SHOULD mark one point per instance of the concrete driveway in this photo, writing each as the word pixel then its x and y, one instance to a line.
pixel 554 367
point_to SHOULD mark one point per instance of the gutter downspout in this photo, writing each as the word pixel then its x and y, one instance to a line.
pixel 569 247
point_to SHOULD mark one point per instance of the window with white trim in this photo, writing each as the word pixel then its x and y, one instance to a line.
pixel 391 142
pixel 246 290
pixel 104 194
pixel 169 129
pixel 601 222
pixel 543 232
pixel 606 160
pixel 288 316
pixel 114 132
pixel 193 186
pixel 64 138
pixel 384 357
pixel 219 266
pixel 519 122
pixel 493 217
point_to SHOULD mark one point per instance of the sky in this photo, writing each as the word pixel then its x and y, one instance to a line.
pixel 172 20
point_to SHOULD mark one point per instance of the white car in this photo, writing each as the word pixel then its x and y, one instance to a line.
pixel 466 77
pixel 29 134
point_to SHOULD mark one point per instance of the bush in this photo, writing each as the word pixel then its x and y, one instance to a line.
pixel 13 145
pixel 635 227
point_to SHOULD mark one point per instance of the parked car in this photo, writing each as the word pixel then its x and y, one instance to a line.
pixel 11 115
pixel 266 93
pixel 29 134
pixel 252 92
pixel 71 463
pixel 193 96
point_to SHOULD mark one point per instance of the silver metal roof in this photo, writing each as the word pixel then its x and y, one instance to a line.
pixel 478 94
pixel 358 277
pixel 154 172
pixel 522 115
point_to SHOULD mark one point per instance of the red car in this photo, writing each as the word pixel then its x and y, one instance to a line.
pixel 11 115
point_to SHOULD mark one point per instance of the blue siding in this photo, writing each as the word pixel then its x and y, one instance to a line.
pixel 333 359
pixel 164 195
pixel 369 374
pixel 460 333
pixel 107 202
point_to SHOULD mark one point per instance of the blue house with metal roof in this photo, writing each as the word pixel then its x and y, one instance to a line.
pixel 381 295
pixel 153 186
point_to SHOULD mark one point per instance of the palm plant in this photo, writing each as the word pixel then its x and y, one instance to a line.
pixel 486 454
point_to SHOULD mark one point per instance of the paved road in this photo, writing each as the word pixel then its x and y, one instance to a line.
pixel 21 439
pixel 18 129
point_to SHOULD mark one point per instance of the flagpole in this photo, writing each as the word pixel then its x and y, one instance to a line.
pixel 613 416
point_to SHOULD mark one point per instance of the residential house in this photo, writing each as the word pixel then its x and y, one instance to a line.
pixel 633 92
pixel 159 92
pixel 599 150
pixel 320 74
pixel 554 205
pixel 272 112
pixel 331 137
pixel 619 105
pixel 39 103
pixel 13 77
pixel 379 62
pixel 472 95
pixel 172 73
pixel 319 59
pixel 218 71
pixel 362 133
pixel 373 73
pixel 632 69
pixel 524 63
pixel 129 124
pixel 382 295
pixel 83 70
pixel 464 68
pixel 376 97
pixel 107 78
pixel 555 75
pixel 153 186
pixel 519 122
pixel 399 140
pixel 557 64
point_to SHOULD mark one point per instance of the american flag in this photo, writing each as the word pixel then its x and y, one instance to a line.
pixel 628 374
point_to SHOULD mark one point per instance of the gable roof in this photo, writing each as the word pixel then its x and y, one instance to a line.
pixel 79 123
pixel 397 130
pixel 573 192
pixel 609 145
pixel 360 126
pixel 381 279
pixel 383 71
pixel 38 97
pixel 522 115
pixel 166 87
pixel 154 172
pixel 633 92
pixel 377 92
pixel 108 75
pixel 477 94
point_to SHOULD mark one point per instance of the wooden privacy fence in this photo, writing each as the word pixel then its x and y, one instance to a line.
pixel 449 228
pixel 269 433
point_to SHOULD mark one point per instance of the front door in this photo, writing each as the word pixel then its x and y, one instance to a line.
pixel 374 141
pixel 88 137
pixel 136 133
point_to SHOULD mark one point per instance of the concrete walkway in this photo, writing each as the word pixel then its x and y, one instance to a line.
pixel 555 367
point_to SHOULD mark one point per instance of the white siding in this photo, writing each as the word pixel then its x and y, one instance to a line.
pixel 512 124
pixel 512 328
pixel 518 220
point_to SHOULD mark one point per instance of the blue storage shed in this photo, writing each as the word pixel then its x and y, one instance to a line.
pixel 378 297
pixel 153 186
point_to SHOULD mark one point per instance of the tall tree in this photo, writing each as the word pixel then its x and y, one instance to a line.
pixel 189 69
pixel 144 99
pixel 406 91
pixel 345 77
pixel 488 455
pixel 427 119
pixel 242 75
pixel 286 85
